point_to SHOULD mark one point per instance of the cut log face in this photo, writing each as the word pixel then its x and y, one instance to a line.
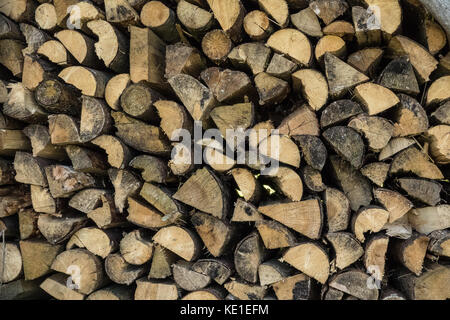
pixel 218 270
pixel 63 181
pixel 247 184
pixel 41 143
pixel 245 212
pixel 180 241
pixel 12 266
pixel 438 139
pixel 245 291
pixel 375 98
pixel 309 258
pixel 230 15
pixel 30 170
pixel 58 229
pixel 347 248
pixel 307 22
pixel 248 256
pixel 205 192
pixel 296 287
pixel 56 286
pixel 120 271
pixel 411 118
pixel 411 252
pixel 302 121
pixel 377 130
pixel 423 190
pixel 369 219
pixel 347 143
pixel 97 241
pixel 250 56
pixel 88 266
pixel 119 155
pixel 162 261
pixel 399 77
pixel 275 235
pixel 273 271
pixel 339 111
pixel 112 292
pixel 375 255
pixel 288 182
pixel 292 43
pixel 304 217
pixel 328 10
pixel 125 184
pixel 354 282
pixel 136 247
pixel 187 278
pixel 429 219
pixel 414 161
pixel 341 76
pixel 340 28
pixel 313 150
pixel 366 60
pixel 440 243
pixel 394 202
pixel 37 256
pixel 313 87
pixel 257 25
pixel 156 290
pixel 376 172
pixel 337 210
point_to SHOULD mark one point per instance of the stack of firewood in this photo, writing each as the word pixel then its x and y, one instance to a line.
pixel 97 200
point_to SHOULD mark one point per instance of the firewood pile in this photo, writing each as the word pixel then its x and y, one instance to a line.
pixel 224 149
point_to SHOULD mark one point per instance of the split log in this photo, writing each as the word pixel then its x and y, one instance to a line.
pixel 197 98
pixel 46 17
pixel 28 227
pixel 136 247
pixel 34 71
pixel 354 282
pixel 313 86
pixel 376 172
pixel 121 12
pixel 274 235
pixel 43 201
pixel 377 130
pixel 196 19
pixel 394 202
pixel 162 262
pixel 125 184
pixel 422 61
pixel 89 274
pixel 347 249
pixel 38 256
pixel 375 255
pixel 230 15
pixel 216 234
pixel 411 252
pixel 394 146
pixel 188 279
pixel 156 290
pixel 252 57
pixel 22 106
pixel 13 199
pixel 58 229
pixel 30 170
pixel 12 263
pixel 147 56
pixel 218 270
pixel 438 139
pixel 86 160
pixel 341 77
pixel 81 47
pixel 114 89
pixel 411 118
pixel 55 52
pixel 328 10
pixel 13 141
pixel 442 114
pixel 207 294
pixel 332 44
pixel 11 56
pixel 288 182
pixel 89 81
pixel 271 90
pixel 340 28
pixel 245 291
pixel 112 45
pixel 145 216
pixel 228 86
pixel 296 287
pixel 97 241
pixel 248 256
pixel 112 292
pixel 366 60
pixel 309 258
pixel 9 29
pixel 431 285
pixel 63 181
pixel 348 143
pixel 281 67
pixel 414 161
pixel 41 144
pixel 245 212
pixel 273 271
pixel 307 22
pixel 339 111
pixel 152 169
pixel 399 76
pixel 367 27
pixel 63 129
pixel 437 92
pixel 292 43
pixel 161 199
pixel 180 241
pixel 337 210
pixel 375 98
pixel 355 186
pixel 182 58
pixel 120 271
pixel 205 192
pixel 281 148
pixel 369 219
pixel 423 190
pixel 56 286
pixel 119 155
pixel 429 219
pixel 439 243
